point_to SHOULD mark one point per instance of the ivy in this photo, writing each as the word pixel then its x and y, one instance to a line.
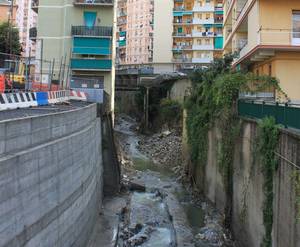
pixel 213 100
pixel 296 179
pixel 268 133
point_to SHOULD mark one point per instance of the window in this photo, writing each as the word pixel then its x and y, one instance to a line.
pixel 296 28
pixel 89 18
pixel 270 69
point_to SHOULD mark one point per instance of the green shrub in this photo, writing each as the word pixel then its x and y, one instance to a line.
pixel 170 111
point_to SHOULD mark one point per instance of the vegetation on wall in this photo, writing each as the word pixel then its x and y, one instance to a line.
pixel 170 112
pixel 213 101
pixel 269 136
pixel 296 179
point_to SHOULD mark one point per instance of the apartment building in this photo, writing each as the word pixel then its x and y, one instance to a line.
pixel 135 31
pixel 197 32
pixel 5 6
pixel 266 37
pixel 79 33
pixel 26 19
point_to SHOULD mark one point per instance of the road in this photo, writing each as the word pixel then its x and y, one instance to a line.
pixel 40 110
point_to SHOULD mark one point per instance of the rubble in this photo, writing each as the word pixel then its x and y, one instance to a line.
pixel 163 148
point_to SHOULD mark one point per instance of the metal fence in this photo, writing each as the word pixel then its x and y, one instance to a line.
pixel 287 114
pixel 30 73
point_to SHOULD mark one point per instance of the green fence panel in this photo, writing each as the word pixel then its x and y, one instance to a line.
pixel 288 116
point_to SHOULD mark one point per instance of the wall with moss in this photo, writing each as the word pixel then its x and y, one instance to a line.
pixel 249 195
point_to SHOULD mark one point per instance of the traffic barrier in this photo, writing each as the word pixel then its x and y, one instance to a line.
pixel 42 98
pixel 77 95
pixel 29 99
pixel 17 100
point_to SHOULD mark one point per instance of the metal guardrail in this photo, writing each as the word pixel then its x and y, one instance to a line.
pixel 287 114
pixel 91 31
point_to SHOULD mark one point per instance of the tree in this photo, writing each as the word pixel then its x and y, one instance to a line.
pixel 4 39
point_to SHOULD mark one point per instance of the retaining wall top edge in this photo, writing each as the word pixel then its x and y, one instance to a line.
pixel 287 131
pixel 48 114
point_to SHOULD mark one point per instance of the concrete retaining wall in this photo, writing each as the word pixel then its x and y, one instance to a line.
pixel 50 178
pixel 248 197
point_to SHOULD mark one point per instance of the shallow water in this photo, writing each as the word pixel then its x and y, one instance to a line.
pixel 148 208
pixel 161 237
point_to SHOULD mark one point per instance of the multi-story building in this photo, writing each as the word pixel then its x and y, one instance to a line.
pixel 266 37
pixel 182 33
pixel 121 31
pixel 79 34
pixel 25 20
pixel 197 32
pixel 5 8
pixel 135 31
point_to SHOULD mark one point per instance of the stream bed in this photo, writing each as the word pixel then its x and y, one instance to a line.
pixel 164 213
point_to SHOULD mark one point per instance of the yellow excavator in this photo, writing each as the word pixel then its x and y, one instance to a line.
pixel 17 73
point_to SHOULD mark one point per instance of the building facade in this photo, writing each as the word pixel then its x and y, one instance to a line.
pixel 26 19
pixel 265 35
pixel 197 32
pixel 5 8
pixel 77 35
pixel 135 31
pixel 183 34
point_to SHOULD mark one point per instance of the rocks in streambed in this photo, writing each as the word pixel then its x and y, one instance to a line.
pixel 164 148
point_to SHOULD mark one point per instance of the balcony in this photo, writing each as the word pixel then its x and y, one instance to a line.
pixel 198 21
pixel 33 33
pixel 187 35
pixel 202 60
pixel 93 2
pixel 183 22
pixel 280 37
pixel 198 34
pixel 35 5
pixel 182 60
pixel 182 47
pixel 219 11
pixel 205 8
pixel 91 64
pixel 203 47
pixel 92 31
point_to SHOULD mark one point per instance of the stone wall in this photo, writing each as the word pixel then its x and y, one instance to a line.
pixel 248 197
pixel 50 178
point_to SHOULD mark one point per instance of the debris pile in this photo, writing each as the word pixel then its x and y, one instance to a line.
pixel 163 148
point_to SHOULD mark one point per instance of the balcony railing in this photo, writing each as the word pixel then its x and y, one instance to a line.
pixel 182 22
pixel 182 60
pixel 91 31
pixel 93 2
pixel 203 21
pixel 202 59
pixel 182 47
pixel 205 8
pixel 176 34
pixel 270 36
pixel 203 47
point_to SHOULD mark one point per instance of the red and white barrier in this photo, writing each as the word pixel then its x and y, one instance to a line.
pixel 29 99
pixel 76 95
